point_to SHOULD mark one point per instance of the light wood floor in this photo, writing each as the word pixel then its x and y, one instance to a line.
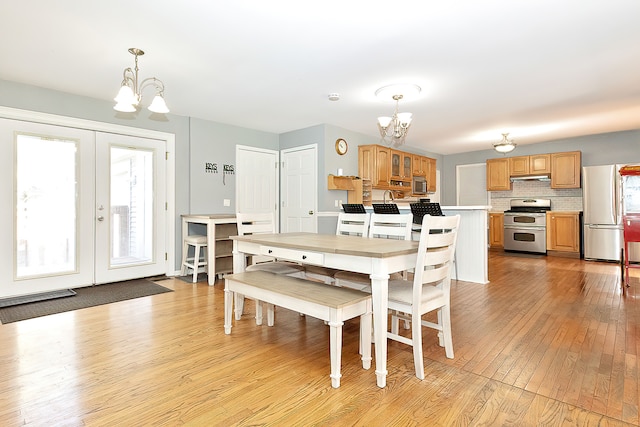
pixel 550 341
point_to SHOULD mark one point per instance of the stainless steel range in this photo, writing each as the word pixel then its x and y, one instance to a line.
pixel 525 225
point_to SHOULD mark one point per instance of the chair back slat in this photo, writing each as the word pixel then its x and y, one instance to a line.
pixel 256 223
pixel 391 226
pixel 353 224
pixel 436 252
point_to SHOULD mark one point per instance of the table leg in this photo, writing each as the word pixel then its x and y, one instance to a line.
pixel 211 253
pixel 380 297
pixel 239 266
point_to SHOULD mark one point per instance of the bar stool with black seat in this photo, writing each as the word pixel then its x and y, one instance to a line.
pixel 198 260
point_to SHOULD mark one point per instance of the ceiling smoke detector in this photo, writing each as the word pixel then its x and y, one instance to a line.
pixel 334 97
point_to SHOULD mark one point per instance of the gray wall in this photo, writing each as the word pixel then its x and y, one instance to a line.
pixel 212 142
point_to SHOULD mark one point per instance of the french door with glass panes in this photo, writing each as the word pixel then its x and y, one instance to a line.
pixel 79 207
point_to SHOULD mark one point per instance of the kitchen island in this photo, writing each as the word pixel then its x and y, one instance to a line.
pixel 472 257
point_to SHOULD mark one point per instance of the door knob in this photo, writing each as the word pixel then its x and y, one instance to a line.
pixel 100 218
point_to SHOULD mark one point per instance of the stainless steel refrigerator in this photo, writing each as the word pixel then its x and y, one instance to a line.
pixel 602 210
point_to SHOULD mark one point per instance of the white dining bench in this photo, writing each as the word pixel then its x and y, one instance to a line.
pixel 332 304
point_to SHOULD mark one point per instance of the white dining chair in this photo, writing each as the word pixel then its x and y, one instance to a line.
pixel 429 290
pixel 349 224
pixel 383 226
pixel 262 223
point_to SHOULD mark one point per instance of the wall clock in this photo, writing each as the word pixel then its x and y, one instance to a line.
pixel 341 146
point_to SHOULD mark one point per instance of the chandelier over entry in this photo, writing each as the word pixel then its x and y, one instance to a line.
pixel 130 93
pixel 393 130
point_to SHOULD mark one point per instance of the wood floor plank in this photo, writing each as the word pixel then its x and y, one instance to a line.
pixel 549 341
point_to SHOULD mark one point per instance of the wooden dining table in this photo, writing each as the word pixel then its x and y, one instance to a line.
pixel 376 257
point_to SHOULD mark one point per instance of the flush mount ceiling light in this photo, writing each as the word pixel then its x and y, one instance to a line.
pixel 130 93
pixel 393 130
pixel 504 146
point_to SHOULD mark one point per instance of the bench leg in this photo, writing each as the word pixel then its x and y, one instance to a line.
pixel 258 312
pixel 239 303
pixel 365 337
pixel 228 309
pixel 335 349
pixel 271 314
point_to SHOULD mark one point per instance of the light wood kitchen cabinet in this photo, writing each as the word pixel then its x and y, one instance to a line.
pixel 400 166
pixel 420 165
pixel 374 163
pixel 394 169
pixel 498 175
pixel 519 165
pixel 540 164
pixel 563 232
pixel 496 230
pixel 431 175
pixel 565 169
pixel 530 165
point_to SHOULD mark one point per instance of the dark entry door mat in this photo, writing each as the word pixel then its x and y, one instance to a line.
pixel 84 297
pixel 43 296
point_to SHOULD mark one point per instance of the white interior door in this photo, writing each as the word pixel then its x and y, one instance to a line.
pixel 130 207
pixel 256 180
pixel 299 189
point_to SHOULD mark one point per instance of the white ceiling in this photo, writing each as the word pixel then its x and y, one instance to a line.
pixel 539 69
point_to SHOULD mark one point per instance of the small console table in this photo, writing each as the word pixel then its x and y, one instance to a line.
pixel 219 244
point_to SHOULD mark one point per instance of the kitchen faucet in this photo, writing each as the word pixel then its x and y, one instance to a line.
pixel 384 196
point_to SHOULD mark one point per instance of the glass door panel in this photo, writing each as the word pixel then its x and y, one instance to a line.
pixel 131 206
pixel 46 206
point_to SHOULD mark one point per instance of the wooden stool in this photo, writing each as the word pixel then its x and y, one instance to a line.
pixel 198 242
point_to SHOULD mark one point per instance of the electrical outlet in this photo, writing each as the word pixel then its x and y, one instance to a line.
pixel 335 203
pixel 226 202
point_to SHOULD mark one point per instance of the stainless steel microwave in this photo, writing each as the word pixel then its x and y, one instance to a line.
pixel 419 185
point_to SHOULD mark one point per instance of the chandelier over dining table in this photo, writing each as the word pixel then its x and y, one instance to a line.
pixel 394 129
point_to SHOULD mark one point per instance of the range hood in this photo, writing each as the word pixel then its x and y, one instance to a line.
pixel 531 178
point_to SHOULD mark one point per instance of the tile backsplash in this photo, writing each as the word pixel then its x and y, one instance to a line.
pixel 561 199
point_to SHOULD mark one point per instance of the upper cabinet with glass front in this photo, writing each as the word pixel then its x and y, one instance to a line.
pixel 394 169
pixel 400 165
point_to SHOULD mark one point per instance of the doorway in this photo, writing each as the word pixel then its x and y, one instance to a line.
pixel 81 207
